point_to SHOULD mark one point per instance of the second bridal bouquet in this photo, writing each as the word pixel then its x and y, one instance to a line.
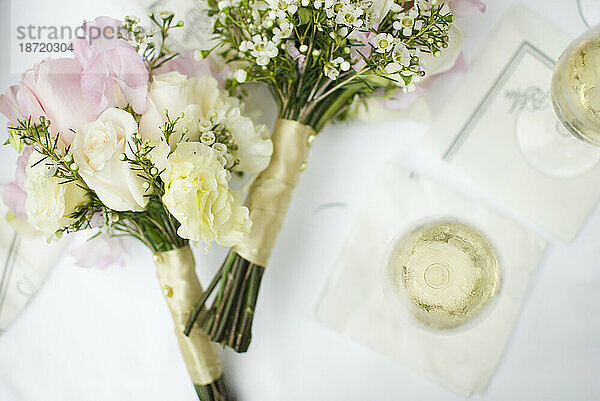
pixel 320 59
pixel 116 140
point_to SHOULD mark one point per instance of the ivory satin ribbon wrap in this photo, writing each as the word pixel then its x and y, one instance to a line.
pixel 271 193
pixel 182 290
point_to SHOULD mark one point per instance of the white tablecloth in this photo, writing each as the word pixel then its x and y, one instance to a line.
pixel 107 335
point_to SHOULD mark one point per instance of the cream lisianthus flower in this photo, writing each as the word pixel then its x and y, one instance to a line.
pixel 176 94
pixel 97 150
pixel 49 204
pixel 202 108
pixel 197 194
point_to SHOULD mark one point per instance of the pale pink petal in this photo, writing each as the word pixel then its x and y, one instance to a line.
pixel 100 252
pixel 19 103
pixel 56 84
pixel 113 71
pixel 22 161
pixel 460 65
pixel 14 195
pixel 465 8
pixel 187 65
pixel 9 105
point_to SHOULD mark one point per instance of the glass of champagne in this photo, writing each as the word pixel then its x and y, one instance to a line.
pixel 576 87
pixel 441 275
pixel 555 140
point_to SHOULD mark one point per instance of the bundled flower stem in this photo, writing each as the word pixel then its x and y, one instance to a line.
pixel 319 58
pixel 155 227
pixel 119 141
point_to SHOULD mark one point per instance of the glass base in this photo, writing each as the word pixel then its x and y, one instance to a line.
pixel 550 148
pixel 589 11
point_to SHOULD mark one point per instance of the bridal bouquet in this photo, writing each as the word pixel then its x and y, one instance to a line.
pixel 320 58
pixel 117 141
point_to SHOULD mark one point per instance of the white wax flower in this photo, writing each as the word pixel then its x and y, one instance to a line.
pixel 331 71
pixel 280 8
pixel 384 42
pixel 49 203
pixel 350 15
pixel 97 150
pixel 284 30
pixel 240 76
pixel 406 22
pixel 401 54
pixel 197 194
pixel 262 49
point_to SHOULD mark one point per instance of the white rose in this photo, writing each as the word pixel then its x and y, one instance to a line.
pixel 49 204
pixel 197 194
pixel 448 56
pixel 97 149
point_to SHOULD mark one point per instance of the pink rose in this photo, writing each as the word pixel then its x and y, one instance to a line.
pixel 113 74
pixel 465 8
pixel 14 193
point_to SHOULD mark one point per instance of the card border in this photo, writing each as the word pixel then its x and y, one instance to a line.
pixel 525 48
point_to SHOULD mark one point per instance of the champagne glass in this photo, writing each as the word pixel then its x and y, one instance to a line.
pixel 556 142
pixel 441 274
pixel 576 87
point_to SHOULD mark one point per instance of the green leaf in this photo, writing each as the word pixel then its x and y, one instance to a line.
pixel 305 15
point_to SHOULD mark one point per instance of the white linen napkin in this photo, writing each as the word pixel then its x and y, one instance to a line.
pixel 353 303
pixel 26 260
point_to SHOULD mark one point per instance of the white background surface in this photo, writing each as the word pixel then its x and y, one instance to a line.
pixel 106 335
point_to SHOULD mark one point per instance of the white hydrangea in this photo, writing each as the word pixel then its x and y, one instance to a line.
pixel 228 3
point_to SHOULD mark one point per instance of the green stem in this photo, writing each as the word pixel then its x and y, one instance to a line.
pixel 319 120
